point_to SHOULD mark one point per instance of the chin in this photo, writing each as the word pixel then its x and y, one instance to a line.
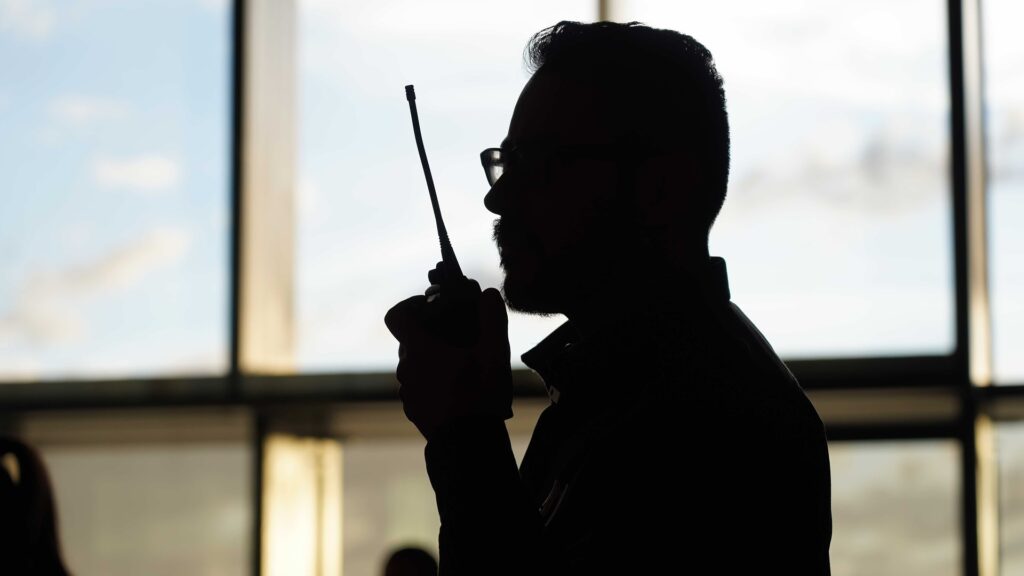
pixel 524 293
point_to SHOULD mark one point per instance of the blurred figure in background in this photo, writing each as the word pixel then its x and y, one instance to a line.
pixel 28 519
pixel 410 561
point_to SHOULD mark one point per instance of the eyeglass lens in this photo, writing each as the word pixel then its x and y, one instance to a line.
pixel 494 165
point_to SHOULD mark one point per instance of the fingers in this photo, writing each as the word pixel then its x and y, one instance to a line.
pixel 439 381
pixel 493 344
pixel 493 316
pixel 403 319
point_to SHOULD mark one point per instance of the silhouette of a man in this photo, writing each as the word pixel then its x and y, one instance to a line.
pixel 676 440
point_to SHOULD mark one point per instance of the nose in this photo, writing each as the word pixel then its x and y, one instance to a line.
pixel 496 198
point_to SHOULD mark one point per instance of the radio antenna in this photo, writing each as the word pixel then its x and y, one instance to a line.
pixel 447 253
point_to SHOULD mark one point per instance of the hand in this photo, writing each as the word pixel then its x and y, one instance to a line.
pixel 441 383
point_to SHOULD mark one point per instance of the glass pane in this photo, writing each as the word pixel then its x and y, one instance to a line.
pixel 895 508
pixel 894 504
pixel 113 232
pixel 837 228
pixel 366 236
pixel 1004 113
pixel 387 501
pixel 1010 450
pixel 301 506
pixel 156 509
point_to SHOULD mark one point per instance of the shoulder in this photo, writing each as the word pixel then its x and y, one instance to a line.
pixel 753 376
pixel 731 382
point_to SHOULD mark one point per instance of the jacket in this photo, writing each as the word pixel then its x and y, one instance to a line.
pixel 676 442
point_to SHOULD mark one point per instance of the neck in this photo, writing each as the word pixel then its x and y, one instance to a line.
pixel 616 296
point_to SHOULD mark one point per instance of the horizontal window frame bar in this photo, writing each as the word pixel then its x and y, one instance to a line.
pixel 116 392
pixel 1002 403
pixel 893 432
pixel 877 372
pixel 864 372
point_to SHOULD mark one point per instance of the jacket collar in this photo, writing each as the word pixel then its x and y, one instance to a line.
pixel 628 346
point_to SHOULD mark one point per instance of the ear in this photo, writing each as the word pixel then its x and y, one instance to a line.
pixel 664 189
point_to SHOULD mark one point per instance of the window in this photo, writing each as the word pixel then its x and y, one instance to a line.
pixel 837 227
pixel 895 508
pixel 114 231
pixel 1004 99
pixel 126 139
pixel 153 509
pixel 366 236
pixel 387 500
pixel 1010 439
pixel 149 492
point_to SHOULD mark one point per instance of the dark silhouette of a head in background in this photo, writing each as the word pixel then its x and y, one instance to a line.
pixel 28 519
pixel 410 561
pixel 615 165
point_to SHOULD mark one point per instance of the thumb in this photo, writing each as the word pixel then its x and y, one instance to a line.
pixel 493 319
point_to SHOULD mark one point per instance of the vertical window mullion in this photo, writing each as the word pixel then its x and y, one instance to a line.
pixel 980 502
pixel 265 206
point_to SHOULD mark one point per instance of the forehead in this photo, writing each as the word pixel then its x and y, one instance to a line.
pixel 558 109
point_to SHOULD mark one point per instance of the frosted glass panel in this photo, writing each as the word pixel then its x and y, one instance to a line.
pixel 154 509
pixel 895 508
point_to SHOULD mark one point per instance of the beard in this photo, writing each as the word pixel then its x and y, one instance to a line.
pixel 527 285
pixel 537 282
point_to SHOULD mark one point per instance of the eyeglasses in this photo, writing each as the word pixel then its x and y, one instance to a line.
pixel 494 164
pixel 493 161
pixel 496 161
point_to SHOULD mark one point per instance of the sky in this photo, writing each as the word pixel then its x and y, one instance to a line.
pixel 114 231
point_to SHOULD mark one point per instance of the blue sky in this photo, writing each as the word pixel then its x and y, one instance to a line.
pixel 115 159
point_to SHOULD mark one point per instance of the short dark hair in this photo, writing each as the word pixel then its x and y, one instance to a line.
pixel 664 84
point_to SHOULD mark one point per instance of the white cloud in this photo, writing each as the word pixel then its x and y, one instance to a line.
pixel 78 109
pixel 149 173
pixel 48 305
pixel 30 19
pixel 125 266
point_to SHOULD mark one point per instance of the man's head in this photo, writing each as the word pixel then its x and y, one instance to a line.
pixel 616 161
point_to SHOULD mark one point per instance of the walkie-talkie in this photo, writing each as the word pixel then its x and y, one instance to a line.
pixel 452 299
